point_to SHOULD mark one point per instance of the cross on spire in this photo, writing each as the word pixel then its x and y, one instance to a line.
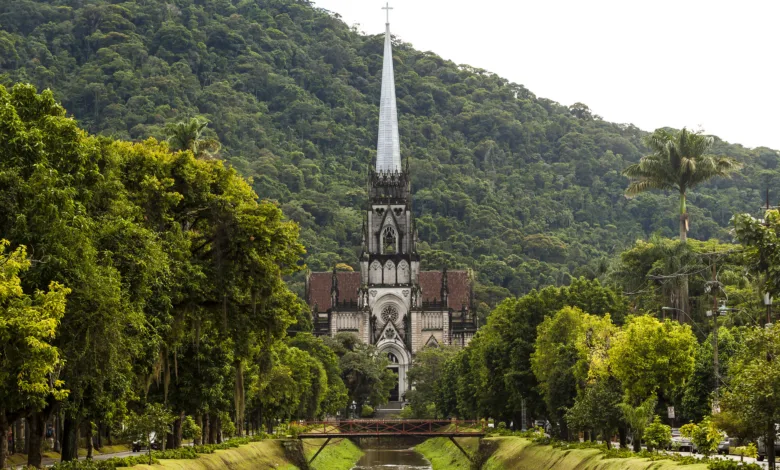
pixel 387 7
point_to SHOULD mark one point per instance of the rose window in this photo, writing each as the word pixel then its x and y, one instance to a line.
pixel 389 314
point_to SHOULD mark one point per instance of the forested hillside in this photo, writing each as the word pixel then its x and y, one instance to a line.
pixel 525 191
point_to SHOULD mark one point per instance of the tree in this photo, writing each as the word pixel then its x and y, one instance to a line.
pixel 762 255
pixel 650 357
pixel 638 418
pixel 705 436
pixel 152 424
pixel 189 135
pixel 426 377
pixel 752 395
pixel 657 435
pixel 363 370
pixel 553 360
pixel 680 161
pixel 597 408
pixel 29 362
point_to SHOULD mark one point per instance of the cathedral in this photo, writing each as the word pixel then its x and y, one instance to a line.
pixel 390 303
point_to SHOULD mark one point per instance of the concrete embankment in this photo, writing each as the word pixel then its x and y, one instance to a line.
pixel 270 454
pixel 514 453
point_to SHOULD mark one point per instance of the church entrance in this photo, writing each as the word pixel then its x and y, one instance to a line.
pixel 395 394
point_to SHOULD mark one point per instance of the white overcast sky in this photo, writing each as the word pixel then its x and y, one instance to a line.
pixel 713 64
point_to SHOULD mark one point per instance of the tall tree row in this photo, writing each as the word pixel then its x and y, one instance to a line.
pixel 133 274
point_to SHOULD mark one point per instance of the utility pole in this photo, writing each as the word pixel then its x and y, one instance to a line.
pixel 767 295
pixel 715 332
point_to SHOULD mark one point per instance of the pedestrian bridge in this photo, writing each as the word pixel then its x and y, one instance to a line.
pixel 359 428
pixel 392 428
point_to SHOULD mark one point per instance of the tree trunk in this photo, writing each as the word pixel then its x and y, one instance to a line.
pixel 19 437
pixel 26 432
pixel 3 438
pixel 14 438
pixel 88 435
pixel 607 436
pixel 213 429
pixel 174 437
pixel 199 419
pixel 622 437
pixel 636 442
pixel 770 445
pixel 684 303
pixel 99 437
pixel 70 439
pixel 206 431
pixel 37 425
pixel 58 431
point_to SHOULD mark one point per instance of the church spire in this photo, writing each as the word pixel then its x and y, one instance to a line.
pixel 388 147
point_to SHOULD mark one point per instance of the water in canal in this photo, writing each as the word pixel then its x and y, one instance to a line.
pixel 392 459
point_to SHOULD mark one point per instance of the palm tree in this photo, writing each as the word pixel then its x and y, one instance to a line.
pixel 188 135
pixel 679 161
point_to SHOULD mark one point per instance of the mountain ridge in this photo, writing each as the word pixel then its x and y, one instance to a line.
pixel 521 189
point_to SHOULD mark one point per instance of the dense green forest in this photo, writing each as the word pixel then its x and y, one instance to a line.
pixel 525 191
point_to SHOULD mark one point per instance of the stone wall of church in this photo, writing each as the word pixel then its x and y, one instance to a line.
pixel 426 324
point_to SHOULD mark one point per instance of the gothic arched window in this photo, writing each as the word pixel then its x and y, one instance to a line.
pixel 389 240
pixel 392 358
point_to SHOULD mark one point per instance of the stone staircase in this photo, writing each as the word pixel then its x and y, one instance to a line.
pixel 389 410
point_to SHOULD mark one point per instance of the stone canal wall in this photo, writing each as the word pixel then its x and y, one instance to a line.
pixel 514 453
pixel 292 454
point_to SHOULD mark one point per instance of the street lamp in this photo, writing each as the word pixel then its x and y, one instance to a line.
pixel 669 309
pixel 768 303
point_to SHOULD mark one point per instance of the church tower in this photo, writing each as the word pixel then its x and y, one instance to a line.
pixel 390 303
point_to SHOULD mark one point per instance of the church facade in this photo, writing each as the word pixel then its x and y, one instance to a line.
pixel 390 303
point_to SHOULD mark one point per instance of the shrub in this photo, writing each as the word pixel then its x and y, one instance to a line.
pixel 109 464
pixel 657 435
pixel 366 412
pixel 190 429
pixel 732 465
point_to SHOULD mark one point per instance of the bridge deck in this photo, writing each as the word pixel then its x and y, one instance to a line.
pixel 321 435
pixel 398 427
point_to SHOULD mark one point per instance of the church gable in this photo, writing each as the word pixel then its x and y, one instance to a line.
pixel 389 332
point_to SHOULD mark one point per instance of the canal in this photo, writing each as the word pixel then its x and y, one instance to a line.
pixel 392 459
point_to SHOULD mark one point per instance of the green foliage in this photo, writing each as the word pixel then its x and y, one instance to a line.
pixel 732 465
pixel 108 464
pixel 680 161
pixel 749 450
pixel 426 375
pixel 190 429
pixel 366 412
pixel 704 435
pixel 29 361
pixel 657 435
pixel 649 356
pixel 524 190
pixel 638 418
pixel 493 376
pixel 752 396
pixel 154 421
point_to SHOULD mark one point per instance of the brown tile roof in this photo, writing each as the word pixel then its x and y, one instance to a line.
pixel 320 284
pixel 458 284
pixel 349 282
